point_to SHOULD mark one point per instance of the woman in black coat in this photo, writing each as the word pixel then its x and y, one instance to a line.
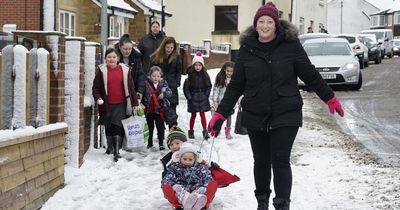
pixel 149 43
pixel 270 60
pixel 131 57
pixel 168 59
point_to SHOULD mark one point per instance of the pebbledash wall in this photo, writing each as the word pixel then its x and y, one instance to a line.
pixel 31 167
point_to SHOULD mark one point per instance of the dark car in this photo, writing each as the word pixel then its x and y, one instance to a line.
pixel 5 39
pixel 396 47
pixel 374 49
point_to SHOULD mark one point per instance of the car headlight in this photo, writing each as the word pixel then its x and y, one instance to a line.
pixel 349 66
pixel 396 48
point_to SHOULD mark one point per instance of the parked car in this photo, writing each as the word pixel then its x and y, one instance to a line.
pixel 304 37
pixel 385 38
pixel 335 60
pixel 396 47
pixel 358 48
pixel 374 49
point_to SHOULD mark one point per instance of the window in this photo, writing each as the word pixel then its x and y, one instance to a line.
pixel 397 18
pixel 378 20
pixel 389 20
pixel 67 23
pixel 226 19
pixel 301 25
pixel 117 26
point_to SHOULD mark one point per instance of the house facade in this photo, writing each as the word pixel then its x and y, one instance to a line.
pixel 219 21
pixel 310 14
pixel 387 19
pixel 349 16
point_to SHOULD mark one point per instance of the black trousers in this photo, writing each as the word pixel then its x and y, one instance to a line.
pixel 153 118
pixel 272 149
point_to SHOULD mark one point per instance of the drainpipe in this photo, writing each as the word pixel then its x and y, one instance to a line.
pixel 104 26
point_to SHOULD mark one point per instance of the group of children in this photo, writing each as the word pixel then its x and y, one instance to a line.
pixel 197 88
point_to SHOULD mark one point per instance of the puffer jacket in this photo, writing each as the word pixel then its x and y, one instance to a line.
pixel 148 44
pixel 191 178
pixel 266 74
pixel 172 74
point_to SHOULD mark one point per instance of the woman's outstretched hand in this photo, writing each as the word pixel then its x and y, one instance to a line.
pixel 334 105
pixel 215 124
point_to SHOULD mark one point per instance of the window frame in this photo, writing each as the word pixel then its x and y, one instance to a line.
pixel 217 29
pixel 396 18
pixel 67 25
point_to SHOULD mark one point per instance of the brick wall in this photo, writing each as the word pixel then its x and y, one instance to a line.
pixel 26 14
pixel 31 168
pixel 138 26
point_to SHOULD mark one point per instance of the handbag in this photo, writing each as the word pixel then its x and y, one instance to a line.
pixel 134 128
pixel 239 129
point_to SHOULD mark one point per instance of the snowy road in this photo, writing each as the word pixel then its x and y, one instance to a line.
pixel 373 113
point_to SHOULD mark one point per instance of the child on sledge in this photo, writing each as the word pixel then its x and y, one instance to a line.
pixel 197 88
pixel 185 184
pixel 156 103
pixel 221 82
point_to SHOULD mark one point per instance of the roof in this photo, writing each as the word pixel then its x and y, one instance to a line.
pixel 385 6
pixel 118 5
pixel 151 6
pixel 327 39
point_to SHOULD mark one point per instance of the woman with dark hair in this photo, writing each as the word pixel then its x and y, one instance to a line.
pixel 270 60
pixel 114 92
pixel 149 43
pixel 168 59
pixel 132 57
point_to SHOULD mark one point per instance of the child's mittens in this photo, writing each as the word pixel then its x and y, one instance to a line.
pixel 177 188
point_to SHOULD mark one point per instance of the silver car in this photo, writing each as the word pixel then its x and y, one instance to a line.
pixel 335 60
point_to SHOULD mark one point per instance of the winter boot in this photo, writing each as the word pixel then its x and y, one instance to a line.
pixel 262 201
pixel 205 135
pixel 200 202
pixel 161 144
pixel 110 145
pixel 117 142
pixel 228 133
pixel 281 203
pixel 150 140
pixel 191 134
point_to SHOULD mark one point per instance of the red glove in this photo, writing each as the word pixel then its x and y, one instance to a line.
pixel 333 105
pixel 215 124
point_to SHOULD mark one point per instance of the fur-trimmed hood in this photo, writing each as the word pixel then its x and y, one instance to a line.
pixel 287 29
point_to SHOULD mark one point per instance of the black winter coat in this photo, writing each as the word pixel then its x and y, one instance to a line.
pixel 148 44
pixel 172 74
pixel 197 94
pixel 135 62
pixel 266 74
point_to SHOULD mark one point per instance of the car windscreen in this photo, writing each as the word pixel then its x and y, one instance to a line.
pixel 350 39
pixel 379 35
pixel 327 48
pixel 367 41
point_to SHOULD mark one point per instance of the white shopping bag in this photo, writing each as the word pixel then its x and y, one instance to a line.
pixel 134 127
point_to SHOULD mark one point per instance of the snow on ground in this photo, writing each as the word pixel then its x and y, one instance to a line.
pixel 330 171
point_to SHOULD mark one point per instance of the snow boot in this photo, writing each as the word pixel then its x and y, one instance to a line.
pixel 117 143
pixel 161 144
pixel 205 135
pixel 262 201
pixel 191 134
pixel 228 133
pixel 110 145
pixel 200 202
pixel 281 203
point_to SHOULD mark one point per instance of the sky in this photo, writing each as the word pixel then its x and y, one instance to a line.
pixel 330 171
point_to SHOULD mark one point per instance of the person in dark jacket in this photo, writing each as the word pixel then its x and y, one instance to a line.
pixel 168 59
pixel 114 92
pixel 270 60
pixel 133 58
pixel 149 43
pixel 197 88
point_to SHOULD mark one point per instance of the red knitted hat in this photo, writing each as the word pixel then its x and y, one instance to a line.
pixel 267 9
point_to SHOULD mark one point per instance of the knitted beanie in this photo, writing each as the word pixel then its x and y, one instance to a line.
pixel 188 147
pixel 198 58
pixel 176 133
pixel 267 9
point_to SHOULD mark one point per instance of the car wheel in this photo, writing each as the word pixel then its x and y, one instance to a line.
pixel 366 64
pixel 377 60
pixel 359 84
pixel 390 55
